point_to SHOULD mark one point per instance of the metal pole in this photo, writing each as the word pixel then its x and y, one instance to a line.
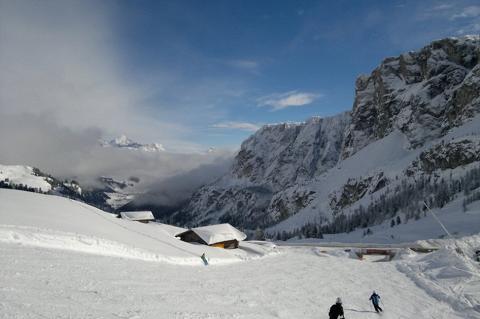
pixel 438 220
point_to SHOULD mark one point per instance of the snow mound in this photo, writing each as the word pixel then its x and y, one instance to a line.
pixel 404 254
pixel 450 274
pixel 48 238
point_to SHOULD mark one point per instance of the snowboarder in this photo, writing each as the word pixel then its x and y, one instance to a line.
pixel 336 310
pixel 375 298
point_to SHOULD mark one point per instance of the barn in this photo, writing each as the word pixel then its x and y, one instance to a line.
pixel 221 235
pixel 139 216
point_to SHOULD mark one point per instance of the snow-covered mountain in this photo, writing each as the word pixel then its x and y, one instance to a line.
pixel 24 176
pixel 414 126
pixel 422 94
pixel 108 193
pixel 119 193
pixel 124 142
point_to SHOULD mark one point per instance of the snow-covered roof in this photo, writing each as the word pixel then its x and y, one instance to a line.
pixel 218 233
pixel 170 229
pixel 138 215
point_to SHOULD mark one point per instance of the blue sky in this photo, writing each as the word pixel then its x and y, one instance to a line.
pixel 207 73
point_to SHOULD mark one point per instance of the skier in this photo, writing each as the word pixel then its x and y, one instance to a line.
pixel 375 298
pixel 204 258
pixel 336 310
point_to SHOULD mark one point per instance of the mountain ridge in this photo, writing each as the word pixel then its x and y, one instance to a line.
pixel 406 106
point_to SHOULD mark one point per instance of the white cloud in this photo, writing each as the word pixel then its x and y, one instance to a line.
pixel 63 87
pixel 59 58
pixel 279 101
pixel 245 65
pixel 467 12
pixel 441 7
pixel 244 126
pixel 67 153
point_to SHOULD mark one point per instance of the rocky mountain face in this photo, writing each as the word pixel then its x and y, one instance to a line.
pixel 276 157
pixel 423 94
pixel 414 115
pixel 285 154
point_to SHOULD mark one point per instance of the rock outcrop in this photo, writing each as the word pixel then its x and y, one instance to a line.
pixel 423 94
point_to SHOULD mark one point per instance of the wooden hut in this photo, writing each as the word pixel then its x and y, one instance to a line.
pixel 221 236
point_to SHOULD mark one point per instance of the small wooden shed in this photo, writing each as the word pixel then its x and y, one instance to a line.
pixel 221 236
pixel 139 216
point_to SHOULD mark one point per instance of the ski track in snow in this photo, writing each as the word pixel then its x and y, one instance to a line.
pixel 300 283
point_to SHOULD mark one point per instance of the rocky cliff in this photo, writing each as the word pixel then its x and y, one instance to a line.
pixel 423 94
pixel 271 160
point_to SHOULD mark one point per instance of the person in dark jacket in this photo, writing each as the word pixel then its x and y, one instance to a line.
pixel 375 298
pixel 336 311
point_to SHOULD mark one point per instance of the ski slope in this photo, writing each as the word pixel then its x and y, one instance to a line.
pixel 132 270
pixel 44 283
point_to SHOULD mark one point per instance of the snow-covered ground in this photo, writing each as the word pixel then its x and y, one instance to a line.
pixel 57 222
pixel 45 283
pixel 64 259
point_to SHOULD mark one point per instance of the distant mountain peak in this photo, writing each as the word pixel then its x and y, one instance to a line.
pixel 123 141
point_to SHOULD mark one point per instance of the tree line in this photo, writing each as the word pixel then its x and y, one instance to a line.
pixel 6 184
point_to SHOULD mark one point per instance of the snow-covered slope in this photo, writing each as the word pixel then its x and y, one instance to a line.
pixel 377 182
pixel 298 283
pixel 60 259
pixel 55 222
pixel 23 175
pixel 414 126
